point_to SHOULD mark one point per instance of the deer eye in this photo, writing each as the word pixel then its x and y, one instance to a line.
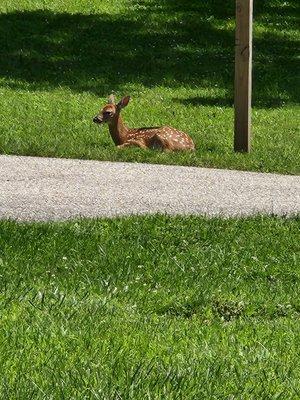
pixel 107 113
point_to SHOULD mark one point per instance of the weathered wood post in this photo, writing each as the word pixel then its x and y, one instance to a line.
pixel 243 75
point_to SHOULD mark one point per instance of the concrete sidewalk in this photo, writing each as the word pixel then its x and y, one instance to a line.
pixel 57 189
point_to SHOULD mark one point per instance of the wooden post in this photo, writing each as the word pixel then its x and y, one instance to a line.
pixel 243 75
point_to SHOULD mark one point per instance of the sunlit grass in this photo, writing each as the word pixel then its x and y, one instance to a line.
pixel 152 307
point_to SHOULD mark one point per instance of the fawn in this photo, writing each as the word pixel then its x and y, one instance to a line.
pixel 164 137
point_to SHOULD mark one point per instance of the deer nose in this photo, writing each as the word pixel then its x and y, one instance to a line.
pixel 96 119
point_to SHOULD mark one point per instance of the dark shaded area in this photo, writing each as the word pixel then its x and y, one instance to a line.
pixel 179 45
pixel 99 52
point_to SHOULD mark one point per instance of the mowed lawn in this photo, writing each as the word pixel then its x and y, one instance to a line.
pixel 150 308
pixel 59 60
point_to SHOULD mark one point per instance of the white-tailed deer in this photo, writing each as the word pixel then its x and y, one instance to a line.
pixel 164 137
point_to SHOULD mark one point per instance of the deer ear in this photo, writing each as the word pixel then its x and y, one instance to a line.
pixel 124 102
pixel 111 99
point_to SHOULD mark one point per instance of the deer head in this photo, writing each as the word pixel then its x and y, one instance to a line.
pixel 111 110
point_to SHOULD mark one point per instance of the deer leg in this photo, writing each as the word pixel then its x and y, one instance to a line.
pixel 159 143
pixel 133 143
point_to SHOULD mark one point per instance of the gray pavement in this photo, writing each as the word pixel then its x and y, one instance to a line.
pixel 43 189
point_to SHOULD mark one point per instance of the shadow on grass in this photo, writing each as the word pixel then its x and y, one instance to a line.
pixel 181 45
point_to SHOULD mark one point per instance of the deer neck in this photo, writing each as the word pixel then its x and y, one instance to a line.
pixel 118 130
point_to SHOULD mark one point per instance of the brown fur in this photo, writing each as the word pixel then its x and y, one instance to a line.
pixel 164 137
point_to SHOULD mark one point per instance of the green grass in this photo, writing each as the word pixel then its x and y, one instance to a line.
pixel 59 60
pixel 150 308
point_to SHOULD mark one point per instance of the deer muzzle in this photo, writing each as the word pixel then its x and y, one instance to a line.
pixel 97 120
